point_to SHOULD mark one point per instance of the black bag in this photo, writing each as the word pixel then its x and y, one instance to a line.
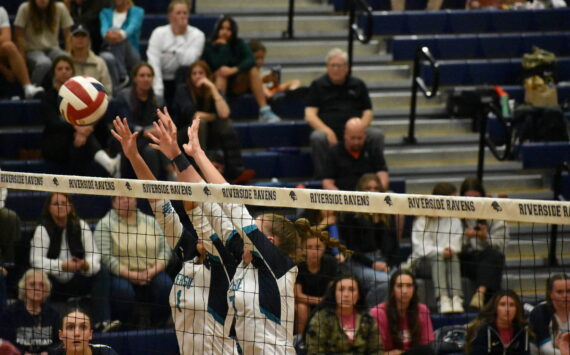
pixel 539 124
pixel 450 339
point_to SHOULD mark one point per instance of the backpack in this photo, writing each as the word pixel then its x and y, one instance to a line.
pixel 539 124
pixel 450 339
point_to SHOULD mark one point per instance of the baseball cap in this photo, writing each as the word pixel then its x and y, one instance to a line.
pixel 79 29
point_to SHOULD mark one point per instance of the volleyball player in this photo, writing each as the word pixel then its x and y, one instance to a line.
pixel 198 296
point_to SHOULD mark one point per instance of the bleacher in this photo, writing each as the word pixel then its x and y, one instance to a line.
pixel 477 47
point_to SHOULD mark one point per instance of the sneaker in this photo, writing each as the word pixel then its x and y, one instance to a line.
pixel 445 305
pixel 457 304
pixel 31 90
pixel 478 300
pixel 244 177
pixel 268 116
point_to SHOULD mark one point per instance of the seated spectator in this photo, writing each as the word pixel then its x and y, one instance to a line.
pixel 333 99
pixel 63 247
pixel 172 46
pixel 139 103
pixel 73 147
pixel 76 333
pixel 404 323
pixel 271 79
pixel 85 61
pixel 400 5
pixel 347 162
pixel 37 28
pixel 9 236
pixel 552 317
pixel 438 241
pixel 315 275
pixel 134 249
pixel 374 240
pixel 31 323
pixel 234 66
pixel 482 256
pixel 200 98
pixel 500 328
pixel 121 31
pixel 87 13
pixel 341 323
pixel 12 63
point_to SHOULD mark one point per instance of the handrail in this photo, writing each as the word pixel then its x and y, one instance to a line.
pixel 193 7
pixel 556 184
pixel 485 141
pixel 289 32
pixel 355 31
pixel 422 54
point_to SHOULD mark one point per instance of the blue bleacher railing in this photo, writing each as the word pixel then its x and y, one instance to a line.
pixel 354 31
pixel 557 187
pixel 489 108
pixel 422 54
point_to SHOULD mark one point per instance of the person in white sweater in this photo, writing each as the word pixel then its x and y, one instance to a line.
pixel 439 240
pixel 172 46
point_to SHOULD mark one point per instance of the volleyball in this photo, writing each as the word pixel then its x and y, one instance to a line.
pixel 82 100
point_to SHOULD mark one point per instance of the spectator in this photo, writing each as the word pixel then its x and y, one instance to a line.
pixel 271 79
pixel 400 5
pixel 74 147
pixel 9 236
pixel 404 323
pixel 172 46
pixel 87 13
pixel 76 333
pixel 234 65
pixel 7 348
pixel 121 32
pixel 134 249
pixel 374 240
pixel 333 99
pixel 552 317
pixel 12 63
pixel 200 98
pixel 500 328
pixel 63 247
pixel 85 61
pixel 482 256
pixel 342 324
pixel 316 274
pixel 438 241
pixel 37 28
pixel 563 343
pixel 31 323
pixel 348 161
pixel 139 103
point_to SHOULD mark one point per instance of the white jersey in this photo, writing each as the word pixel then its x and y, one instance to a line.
pixel 198 296
pixel 261 294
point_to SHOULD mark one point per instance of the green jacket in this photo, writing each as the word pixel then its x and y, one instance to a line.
pixel 239 56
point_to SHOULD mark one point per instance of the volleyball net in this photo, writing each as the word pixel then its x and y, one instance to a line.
pixel 383 232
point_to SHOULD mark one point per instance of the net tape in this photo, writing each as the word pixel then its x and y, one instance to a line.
pixel 507 209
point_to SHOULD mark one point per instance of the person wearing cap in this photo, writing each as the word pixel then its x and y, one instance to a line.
pixel 85 61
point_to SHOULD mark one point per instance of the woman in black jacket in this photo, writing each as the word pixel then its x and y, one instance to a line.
pixel 500 328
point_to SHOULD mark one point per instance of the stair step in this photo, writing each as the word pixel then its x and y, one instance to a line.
pixel 494 184
pixel 318 50
pixel 322 27
pixel 406 156
pixel 448 169
pixel 260 7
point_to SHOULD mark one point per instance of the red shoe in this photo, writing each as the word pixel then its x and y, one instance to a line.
pixel 244 177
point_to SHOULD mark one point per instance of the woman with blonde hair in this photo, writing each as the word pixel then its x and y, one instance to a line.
pixel 31 323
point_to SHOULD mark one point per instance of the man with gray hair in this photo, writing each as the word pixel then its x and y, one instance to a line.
pixel 332 100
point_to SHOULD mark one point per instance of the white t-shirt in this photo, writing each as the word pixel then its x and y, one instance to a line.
pixel 4 20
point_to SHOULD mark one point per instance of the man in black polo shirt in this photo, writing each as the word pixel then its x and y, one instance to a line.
pixel 332 100
pixel 348 161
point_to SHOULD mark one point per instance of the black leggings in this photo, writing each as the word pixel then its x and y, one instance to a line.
pixel 484 267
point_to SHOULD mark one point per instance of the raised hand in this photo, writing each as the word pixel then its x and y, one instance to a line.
pixel 164 135
pixel 128 139
pixel 192 148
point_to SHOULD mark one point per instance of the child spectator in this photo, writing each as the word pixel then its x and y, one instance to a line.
pixel 31 323
pixel 404 323
pixel 234 65
pixel 341 324
pixel 37 28
pixel 439 240
pixel 12 63
pixel 271 79
pixel 315 275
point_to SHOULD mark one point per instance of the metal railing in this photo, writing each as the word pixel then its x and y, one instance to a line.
pixel 354 31
pixel 501 154
pixel 193 6
pixel 290 15
pixel 556 186
pixel 422 54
